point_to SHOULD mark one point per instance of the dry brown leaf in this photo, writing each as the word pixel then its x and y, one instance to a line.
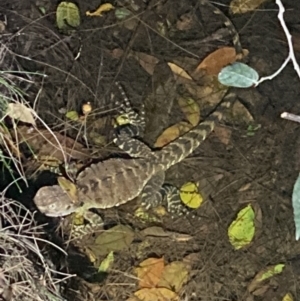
pixel 174 276
pixel 190 109
pixel 160 232
pixel 117 53
pixel 263 275
pixel 244 6
pixel 148 62
pixel 185 22
pixel 178 71
pixel 100 10
pixel 156 294
pixel 216 60
pixel 43 143
pixel 19 111
pixel 208 92
pixel 191 259
pixel 223 133
pixel 172 133
pixel 245 187
pixel 149 272
pixel 240 113
pixel 6 141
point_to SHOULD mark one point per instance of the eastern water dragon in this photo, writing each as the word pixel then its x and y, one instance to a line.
pixel 116 181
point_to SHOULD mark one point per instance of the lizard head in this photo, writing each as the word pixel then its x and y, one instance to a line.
pixel 54 201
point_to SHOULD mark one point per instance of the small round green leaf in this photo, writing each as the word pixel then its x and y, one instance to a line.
pixel 72 115
pixel 67 15
pixel 238 75
pixel 122 13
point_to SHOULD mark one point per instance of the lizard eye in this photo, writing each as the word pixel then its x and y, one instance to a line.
pixel 52 206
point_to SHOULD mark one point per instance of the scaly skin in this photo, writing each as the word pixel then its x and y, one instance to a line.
pixel 117 181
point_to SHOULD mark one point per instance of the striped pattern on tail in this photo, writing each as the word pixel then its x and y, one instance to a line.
pixel 182 147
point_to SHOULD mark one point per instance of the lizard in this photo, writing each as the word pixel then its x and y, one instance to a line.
pixel 116 181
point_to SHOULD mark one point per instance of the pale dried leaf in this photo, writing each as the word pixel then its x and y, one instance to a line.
pixel 185 22
pixel 178 71
pixel 174 276
pixel 148 62
pixel 245 187
pixel 156 294
pixel 223 133
pixel 19 111
pixel 149 272
pixel 7 141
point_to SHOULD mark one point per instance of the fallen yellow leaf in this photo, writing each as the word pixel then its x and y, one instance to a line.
pixel 172 133
pixel 156 294
pixel 107 262
pixel 288 297
pixel 174 276
pixel 190 109
pixel 190 195
pixel 242 230
pixel 67 15
pixel 100 10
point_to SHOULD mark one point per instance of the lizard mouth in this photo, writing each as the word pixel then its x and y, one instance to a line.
pixel 58 211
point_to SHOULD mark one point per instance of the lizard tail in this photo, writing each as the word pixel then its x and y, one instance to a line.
pixel 182 147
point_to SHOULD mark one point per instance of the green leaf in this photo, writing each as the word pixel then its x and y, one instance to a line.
pixel 270 272
pixel 67 15
pixel 106 263
pixel 238 75
pixel 296 206
pixel 115 239
pixel 122 13
pixel 242 229
pixel 72 115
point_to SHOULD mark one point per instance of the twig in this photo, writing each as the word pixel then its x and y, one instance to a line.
pixel 291 56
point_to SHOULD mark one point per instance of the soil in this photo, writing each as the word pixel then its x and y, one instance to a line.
pixel 260 168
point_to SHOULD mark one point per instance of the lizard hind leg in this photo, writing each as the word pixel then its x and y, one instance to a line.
pixel 151 194
pixel 174 204
pixel 156 193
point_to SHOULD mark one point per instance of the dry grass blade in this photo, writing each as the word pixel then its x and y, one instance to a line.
pixel 25 273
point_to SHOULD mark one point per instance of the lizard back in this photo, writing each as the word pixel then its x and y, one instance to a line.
pixel 113 182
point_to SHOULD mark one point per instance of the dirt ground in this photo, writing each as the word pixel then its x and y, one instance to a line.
pixel 260 168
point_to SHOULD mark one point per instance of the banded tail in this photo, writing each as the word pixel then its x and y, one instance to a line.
pixel 182 147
